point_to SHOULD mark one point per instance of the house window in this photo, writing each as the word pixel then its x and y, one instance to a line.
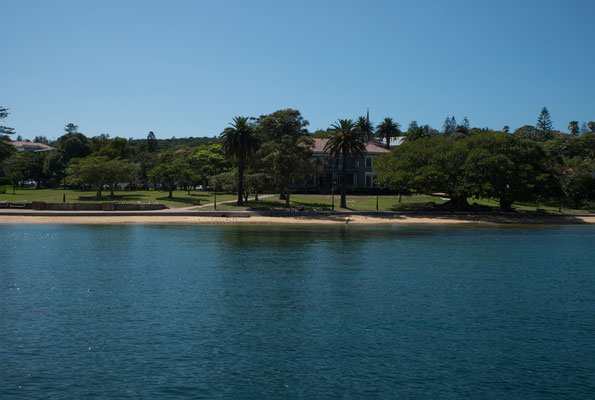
pixel 369 180
pixel 369 162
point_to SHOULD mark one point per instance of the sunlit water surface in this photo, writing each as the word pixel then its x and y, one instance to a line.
pixel 308 312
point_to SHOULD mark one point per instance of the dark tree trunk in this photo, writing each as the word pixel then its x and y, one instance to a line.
pixel 287 195
pixel 343 181
pixel 505 204
pixel 388 142
pixel 240 181
pixel 256 196
pixel 111 190
pixel 98 192
pixel 281 194
pixel 171 191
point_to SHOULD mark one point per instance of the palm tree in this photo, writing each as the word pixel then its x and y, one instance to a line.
pixel 573 128
pixel 388 129
pixel 346 141
pixel 239 141
pixel 364 125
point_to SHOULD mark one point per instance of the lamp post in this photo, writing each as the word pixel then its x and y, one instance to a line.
pixel 377 190
pixel 64 191
pixel 333 192
pixel 215 192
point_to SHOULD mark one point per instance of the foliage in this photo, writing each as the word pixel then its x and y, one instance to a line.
pixel 387 130
pixel 239 142
pixel 492 164
pixel 544 122
pixel 347 142
pixel 364 126
pixel 420 132
pixel 450 124
pixel 167 170
pixel 99 171
pixel 573 128
pixel 5 130
pixel 286 144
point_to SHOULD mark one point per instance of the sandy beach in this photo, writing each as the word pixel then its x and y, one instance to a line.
pixel 297 220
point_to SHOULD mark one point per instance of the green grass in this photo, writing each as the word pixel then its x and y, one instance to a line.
pixel 387 203
pixel 314 201
pixel 324 202
pixel 180 198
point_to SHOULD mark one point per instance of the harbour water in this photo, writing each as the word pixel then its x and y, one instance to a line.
pixel 238 312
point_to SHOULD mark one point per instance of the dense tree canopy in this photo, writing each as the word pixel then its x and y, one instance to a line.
pixel 286 144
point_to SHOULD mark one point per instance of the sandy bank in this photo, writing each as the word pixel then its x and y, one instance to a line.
pixel 322 220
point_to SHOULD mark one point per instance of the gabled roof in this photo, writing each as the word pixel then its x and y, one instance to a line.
pixel 371 147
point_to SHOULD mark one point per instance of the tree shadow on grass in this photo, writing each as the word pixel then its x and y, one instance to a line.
pixel 183 200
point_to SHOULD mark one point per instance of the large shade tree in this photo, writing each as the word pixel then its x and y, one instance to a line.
pixel 347 141
pixel 239 142
pixel 286 145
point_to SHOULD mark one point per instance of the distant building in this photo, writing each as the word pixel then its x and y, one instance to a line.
pixel 31 147
pixel 359 174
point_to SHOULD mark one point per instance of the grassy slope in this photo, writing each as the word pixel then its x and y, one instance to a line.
pixel 180 199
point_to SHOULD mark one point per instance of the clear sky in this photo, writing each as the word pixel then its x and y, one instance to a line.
pixel 186 68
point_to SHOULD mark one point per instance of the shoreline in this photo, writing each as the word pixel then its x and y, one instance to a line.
pixel 335 219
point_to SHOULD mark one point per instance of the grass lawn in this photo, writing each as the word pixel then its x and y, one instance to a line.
pixel 385 203
pixel 180 198
pixel 324 202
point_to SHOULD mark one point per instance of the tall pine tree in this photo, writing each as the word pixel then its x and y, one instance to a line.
pixel 544 122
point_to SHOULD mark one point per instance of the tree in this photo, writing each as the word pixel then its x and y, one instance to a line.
pixel 591 126
pixel 5 130
pixel 347 142
pixel 506 129
pixel 167 171
pixel 427 165
pixel 152 144
pixel 41 139
pixel 286 144
pixel 364 125
pixel 450 124
pixel 90 170
pixel 528 132
pixel 387 130
pixel 71 128
pixel 421 132
pixel 116 148
pixel 6 149
pixel 412 127
pixel 544 122
pixel 208 160
pixel 573 128
pixel 69 146
pixel 573 160
pixel 465 124
pixel 15 169
pixel 508 168
pixel 239 142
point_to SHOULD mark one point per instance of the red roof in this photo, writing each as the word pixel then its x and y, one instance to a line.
pixel 371 147
pixel 40 146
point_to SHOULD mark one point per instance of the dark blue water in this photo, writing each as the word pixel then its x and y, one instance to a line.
pixel 266 312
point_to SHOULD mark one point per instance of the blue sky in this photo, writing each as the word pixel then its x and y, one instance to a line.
pixel 186 68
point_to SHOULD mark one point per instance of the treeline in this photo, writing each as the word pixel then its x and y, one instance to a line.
pixel 494 165
pixel 274 153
